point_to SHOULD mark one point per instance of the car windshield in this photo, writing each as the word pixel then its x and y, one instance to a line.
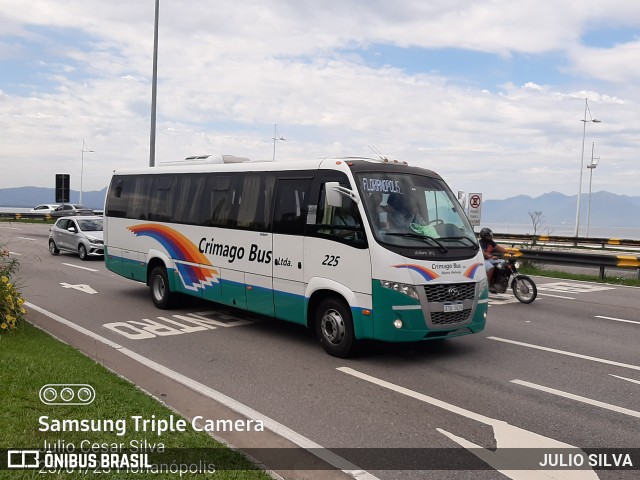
pixel 406 209
pixel 90 225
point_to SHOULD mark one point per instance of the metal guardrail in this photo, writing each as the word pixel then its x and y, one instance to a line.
pixel 46 216
pixel 602 261
pixel 603 242
pixel 18 216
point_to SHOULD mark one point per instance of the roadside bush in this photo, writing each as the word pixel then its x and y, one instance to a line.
pixel 12 312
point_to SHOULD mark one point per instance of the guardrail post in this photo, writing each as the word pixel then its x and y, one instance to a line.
pixel 602 272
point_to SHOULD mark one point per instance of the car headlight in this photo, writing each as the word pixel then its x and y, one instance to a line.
pixel 92 239
pixel 483 284
pixel 409 290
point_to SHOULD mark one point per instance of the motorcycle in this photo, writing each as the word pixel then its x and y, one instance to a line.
pixel 505 274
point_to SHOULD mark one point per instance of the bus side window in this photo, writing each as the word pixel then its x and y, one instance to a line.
pixel 222 196
pixel 256 198
pixel 341 223
pixel 188 200
pixel 161 202
pixel 139 197
pixel 118 197
pixel 290 206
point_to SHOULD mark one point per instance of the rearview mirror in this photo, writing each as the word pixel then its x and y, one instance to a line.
pixel 334 198
pixel 334 193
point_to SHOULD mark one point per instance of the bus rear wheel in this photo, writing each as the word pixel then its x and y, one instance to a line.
pixel 334 328
pixel 160 290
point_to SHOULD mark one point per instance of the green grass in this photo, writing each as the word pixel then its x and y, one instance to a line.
pixel 532 270
pixel 29 359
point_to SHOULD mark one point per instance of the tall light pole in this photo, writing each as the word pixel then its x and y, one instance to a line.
pixel 84 150
pixel 584 132
pixel 275 139
pixel 154 89
pixel 591 167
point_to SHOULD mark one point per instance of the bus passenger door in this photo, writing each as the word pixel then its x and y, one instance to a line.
pixel 289 218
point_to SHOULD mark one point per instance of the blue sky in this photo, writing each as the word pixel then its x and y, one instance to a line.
pixel 469 89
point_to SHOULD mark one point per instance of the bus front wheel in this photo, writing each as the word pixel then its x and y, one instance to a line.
pixel 159 286
pixel 334 328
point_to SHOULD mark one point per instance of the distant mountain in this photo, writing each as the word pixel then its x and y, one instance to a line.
pixel 32 196
pixel 607 209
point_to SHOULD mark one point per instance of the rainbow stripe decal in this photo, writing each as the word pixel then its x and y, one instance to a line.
pixel 471 271
pixel 184 252
pixel 427 274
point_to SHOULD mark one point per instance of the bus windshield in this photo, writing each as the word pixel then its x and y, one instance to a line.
pixel 407 210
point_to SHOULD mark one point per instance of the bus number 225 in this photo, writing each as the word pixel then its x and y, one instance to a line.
pixel 331 260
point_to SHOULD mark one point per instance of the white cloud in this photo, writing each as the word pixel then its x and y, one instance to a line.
pixel 228 72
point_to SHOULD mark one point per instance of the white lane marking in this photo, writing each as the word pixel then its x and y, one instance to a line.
pixel 82 268
pixel 578 398
pixel 27 238
pixel 617 319
pixel 571 287
pixel 276 427
pixel 570 354
pixel 81 287
pixel 508 437
pixel 625 378
pixel 556 296
pixel 511 467
pixel 15 253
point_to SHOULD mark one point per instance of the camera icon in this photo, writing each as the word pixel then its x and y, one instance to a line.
pixel 67 394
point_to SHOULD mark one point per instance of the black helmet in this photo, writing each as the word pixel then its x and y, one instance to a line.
pixel 486 234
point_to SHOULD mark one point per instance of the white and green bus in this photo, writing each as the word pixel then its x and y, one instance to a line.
pixel 353 248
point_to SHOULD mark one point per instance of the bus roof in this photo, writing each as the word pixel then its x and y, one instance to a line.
pixel 198 164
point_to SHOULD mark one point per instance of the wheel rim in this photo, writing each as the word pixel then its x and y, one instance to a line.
pixel 83 251
pixel 52 247
pixel 523 290
pixel 159 288
pixel 332 327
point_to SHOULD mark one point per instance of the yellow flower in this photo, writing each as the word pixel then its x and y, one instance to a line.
pixel 4 326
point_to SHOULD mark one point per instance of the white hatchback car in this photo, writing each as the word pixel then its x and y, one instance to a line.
pixel 81 234
pixel 44 208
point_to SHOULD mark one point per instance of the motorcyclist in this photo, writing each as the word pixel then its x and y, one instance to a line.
pixel 489 248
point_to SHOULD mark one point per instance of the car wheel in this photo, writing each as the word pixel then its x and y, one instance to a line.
pixel 82 251
pixel 161 293
pixel 334 328
pixel 53 250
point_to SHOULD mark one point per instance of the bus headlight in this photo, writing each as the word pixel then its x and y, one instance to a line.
pixel 409 290
pixel 483 284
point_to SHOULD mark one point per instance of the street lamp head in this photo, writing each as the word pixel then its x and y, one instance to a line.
pixel 595 120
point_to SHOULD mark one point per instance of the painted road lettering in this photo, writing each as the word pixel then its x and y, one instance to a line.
pixel 177 325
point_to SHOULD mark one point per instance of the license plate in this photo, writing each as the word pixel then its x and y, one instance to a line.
pixel 452 307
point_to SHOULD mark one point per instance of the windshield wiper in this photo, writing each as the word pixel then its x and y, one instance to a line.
pixel 474 244
pixel 421 237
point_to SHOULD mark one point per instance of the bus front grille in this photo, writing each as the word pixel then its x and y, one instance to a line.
pixel 450 292
pixel 450 318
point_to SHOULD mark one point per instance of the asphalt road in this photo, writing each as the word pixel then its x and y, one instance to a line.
pixel 562 372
